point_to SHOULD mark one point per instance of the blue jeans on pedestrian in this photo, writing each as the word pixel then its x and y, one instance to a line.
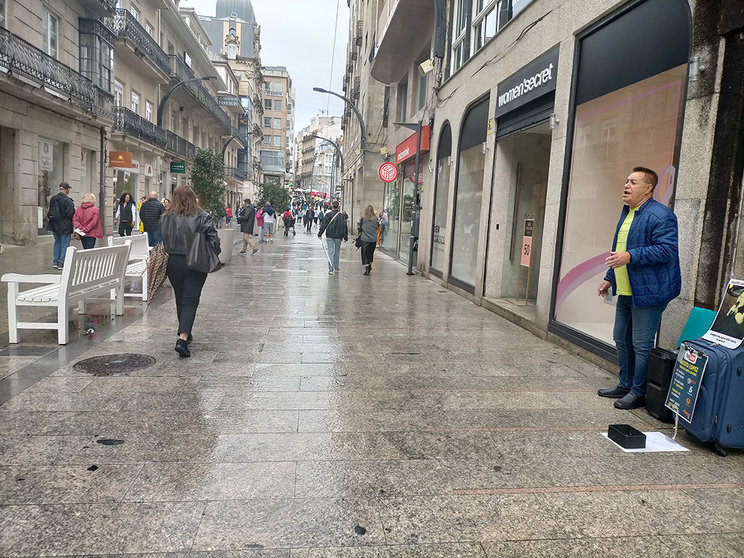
pixel 634 335
pixel 334 248
pixel 61 243
pixel 88 242
pixel 153 238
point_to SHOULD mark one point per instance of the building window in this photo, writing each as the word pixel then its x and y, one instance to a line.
pixel 485 22
pixel 135 102
pixel 148 110
pixel 460 48
pixel 422 88
pixel 267 122
pixel 267 104
pixel 277 123
pixel 50 33
pixel 277 105
pixel 275 88
pixel 276 141
pixel 134 11
pixel 148 28
pixel 96 53
pixel 118 93
pixel 403 100
pixel 469 192
pixel 187 59
pixel 267 139
pixel 441 196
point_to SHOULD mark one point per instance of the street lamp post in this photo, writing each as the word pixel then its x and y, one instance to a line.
pixel 339 155
pixel 417 126
pixel 161 105
pixel 363 141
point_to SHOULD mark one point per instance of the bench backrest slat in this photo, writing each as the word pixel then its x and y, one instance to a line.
pixel 140 245
pixel 85 268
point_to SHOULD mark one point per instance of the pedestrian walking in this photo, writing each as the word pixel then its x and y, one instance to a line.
pixel 126 215
pixel 335 228
pixel 368 227
pixel 644 272
pixel 143 199
pixel 184 218
pixel 259 224
pixel 383 227
pixel 87 222
pixel 309 216
pixel 228 214
pixel 269 218
pixel 246 216
pixel 149 214
pixel 61 211
pixel 289 222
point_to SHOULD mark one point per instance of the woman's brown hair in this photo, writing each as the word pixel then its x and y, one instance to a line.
pixel 184 202
pixel 369 213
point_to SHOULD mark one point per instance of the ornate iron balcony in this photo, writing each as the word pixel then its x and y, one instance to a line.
pixel 99 8
pixel 182 72
pixel 181 147
pixel 24 61
pixel 235 172
pixel 124 25
pixel 133 124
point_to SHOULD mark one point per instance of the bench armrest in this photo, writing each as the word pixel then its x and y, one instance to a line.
pixel 48 278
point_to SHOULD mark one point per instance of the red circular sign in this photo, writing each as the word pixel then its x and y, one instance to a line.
pixel 388 172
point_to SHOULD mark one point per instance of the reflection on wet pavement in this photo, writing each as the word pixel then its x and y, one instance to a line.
pixel 336 416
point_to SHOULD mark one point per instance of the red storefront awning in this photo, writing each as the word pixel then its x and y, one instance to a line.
pixel 406 151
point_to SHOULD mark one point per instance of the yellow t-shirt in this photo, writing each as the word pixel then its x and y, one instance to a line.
pixel 621 273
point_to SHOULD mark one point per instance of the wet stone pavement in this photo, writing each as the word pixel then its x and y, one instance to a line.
pixel 336 416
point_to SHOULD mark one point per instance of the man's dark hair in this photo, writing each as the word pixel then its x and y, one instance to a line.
pixel 247 201
pixel 651 176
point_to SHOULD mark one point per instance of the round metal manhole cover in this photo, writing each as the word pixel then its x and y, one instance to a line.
pixel 108 365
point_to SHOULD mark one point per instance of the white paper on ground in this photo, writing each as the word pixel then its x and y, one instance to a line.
pixel 655 441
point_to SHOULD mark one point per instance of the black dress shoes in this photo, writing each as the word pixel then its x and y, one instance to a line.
pixel 616 392
pixel 182 348
pixel 630 401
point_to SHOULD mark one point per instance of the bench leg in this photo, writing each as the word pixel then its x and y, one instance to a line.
pixel 81 307
pixel 12 313
pixel 144 286
pixel 62 325
pixel 120 300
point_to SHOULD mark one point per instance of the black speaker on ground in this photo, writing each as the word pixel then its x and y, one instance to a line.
pixel 660 371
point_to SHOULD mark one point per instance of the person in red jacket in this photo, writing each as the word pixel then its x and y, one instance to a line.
pixel 87 222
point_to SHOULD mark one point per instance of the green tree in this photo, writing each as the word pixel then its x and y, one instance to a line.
pixel 276 195
pixel 208 181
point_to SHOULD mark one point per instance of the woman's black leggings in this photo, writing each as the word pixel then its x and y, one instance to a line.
pixel 187 287
pixel 368 252
pixel 125 228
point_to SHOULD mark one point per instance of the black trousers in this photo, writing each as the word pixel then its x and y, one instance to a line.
pixel 125 228
pixel 187 287
pixel 368 252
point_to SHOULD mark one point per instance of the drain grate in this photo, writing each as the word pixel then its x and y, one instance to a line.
pixel 108 365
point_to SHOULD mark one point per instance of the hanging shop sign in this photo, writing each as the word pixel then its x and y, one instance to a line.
pixel 388 172
pixel 120 159
pixel 406 150
pixel 531 82
pixel 178 167
pixel 148 170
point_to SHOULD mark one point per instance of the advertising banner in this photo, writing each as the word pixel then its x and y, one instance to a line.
pixel 120 159
pixel 686 381
pixel 728 327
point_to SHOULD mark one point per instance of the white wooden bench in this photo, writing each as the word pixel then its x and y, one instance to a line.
pixel 138 256
pixel 86 273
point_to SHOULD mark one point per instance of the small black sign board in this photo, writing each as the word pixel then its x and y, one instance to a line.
pixel 686 380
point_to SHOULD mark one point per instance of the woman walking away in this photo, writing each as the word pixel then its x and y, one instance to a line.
pixel 183 218
pixel 334 225
pixel 126 215
pixel 87 222
pixel 368 226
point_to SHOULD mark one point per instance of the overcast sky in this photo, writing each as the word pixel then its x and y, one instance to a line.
pixel 299 34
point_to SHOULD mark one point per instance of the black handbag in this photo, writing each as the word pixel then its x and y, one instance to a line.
pixel 199 254
pixel 358 241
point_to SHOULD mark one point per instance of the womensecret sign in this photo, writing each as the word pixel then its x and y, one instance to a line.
pixel 534 80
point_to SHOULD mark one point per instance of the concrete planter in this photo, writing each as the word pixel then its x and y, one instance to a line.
pixel 227 237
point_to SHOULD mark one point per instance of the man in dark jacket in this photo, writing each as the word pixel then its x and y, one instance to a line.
pixel 61 210
pixel 246 216
pixel 335 227
pixel 644 272
pixel 150 213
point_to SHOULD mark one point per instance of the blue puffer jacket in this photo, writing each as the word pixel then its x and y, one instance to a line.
pixel 653 270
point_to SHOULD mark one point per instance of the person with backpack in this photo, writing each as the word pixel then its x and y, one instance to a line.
pixel 61 210
pixel 335 227
pixel 289 222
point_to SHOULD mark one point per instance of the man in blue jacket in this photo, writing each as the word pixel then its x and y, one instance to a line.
pixel 644 273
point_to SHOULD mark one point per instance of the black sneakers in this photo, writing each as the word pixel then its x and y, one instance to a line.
pixel 182 348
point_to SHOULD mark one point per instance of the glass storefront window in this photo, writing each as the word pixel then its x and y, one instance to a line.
pixel 88 181
pixel 407 215
pixel 51 173
pixel 441 197
pixel 635 125
pixel 392 208
pixel 469 192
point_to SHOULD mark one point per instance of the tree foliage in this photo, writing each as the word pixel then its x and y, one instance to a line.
pixel 275 194
pixel 208 181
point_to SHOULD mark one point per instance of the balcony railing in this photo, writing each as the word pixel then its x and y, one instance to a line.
pixel 228 100
pixel 124 25
pixel 27 63
pixel 182 72
pixel 176 144
pixel 133 124
pixel 236 173
pixel 99 8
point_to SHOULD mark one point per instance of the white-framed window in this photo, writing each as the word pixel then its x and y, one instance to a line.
pixel 277 123
pixel 148 28
pixel 187 59
pixel 277 105
pixel 267 122
pixel 134 105
pixel 134 11
pixel 460 47
pixel 267 139
pixel 118 93
pixel 267 104
pixel 50 33
pixel 485 22
pixel 276 141
pixel 148 110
